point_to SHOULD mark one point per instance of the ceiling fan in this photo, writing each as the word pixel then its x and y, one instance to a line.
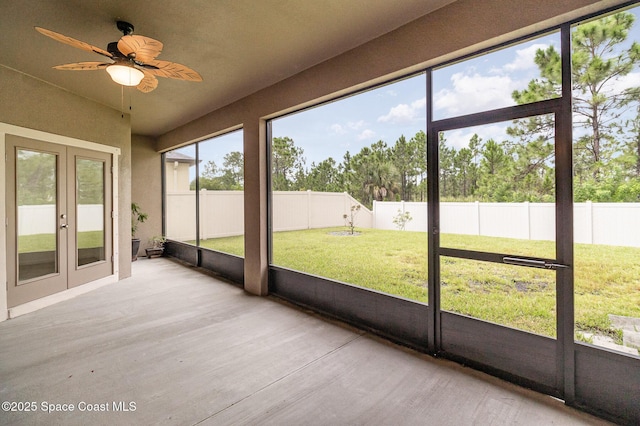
pixel 134 59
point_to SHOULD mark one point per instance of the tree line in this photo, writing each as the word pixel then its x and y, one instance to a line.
pixel 37 179
pixel 606 145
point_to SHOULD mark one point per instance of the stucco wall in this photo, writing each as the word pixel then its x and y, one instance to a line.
pixel 34 104
pixel 146 187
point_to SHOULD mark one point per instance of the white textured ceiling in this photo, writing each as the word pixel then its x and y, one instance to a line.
pixel 238 46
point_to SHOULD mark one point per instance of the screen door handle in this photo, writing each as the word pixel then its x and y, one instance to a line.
pixel 533 263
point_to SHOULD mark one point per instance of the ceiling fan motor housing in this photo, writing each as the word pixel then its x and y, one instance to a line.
pixel 113 49
pixel 125 27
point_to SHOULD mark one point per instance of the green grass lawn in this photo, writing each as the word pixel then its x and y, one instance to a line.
pixel 607 279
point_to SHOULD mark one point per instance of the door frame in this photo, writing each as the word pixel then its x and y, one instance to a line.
pixel 550 363
pixel 9 129
pixel 528 359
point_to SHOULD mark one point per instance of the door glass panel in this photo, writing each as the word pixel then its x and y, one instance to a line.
pixel 513 296
pixel 36 197
pixel 497 187
pixel 90 227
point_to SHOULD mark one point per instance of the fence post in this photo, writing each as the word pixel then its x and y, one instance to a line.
pixel 527 215
pixel 308 209
pixel 477 203
pixel 375 216
pixel 589 215
pixel 203 214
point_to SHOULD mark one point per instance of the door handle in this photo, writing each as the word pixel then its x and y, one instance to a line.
pixel 533 263
pixel 64 226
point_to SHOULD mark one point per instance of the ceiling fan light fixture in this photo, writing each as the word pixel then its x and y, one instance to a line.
pixel 130 55
pixel 125 75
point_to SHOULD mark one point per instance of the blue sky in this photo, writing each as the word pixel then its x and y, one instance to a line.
pixel 399 108
pixel 216 148
pixel 351 123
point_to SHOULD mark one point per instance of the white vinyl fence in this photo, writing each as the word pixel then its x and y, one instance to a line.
pixel 311 210
pixel 222 212
pixel 43 219
pixel 616 224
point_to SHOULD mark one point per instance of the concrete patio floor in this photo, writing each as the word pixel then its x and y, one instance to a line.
pixel 175 345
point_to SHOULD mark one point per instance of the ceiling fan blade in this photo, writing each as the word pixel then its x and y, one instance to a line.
pixel 82 66
pixel 73 42
pixel 144 49
pixel 148 83
pixel 172 70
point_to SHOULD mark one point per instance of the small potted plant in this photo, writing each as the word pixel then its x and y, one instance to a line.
pixel 137 217
pixel 157 246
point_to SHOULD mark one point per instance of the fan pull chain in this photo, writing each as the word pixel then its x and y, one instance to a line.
pixel 122 101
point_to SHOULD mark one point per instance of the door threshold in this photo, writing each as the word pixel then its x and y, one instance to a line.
pixel 52 299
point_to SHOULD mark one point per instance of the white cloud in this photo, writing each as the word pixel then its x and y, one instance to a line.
pixel 338 129
pixel 419 104
pixel 343 129
pixel 404 113
pixel 474 93
pixel 525 58
pixel 366 134
pixel 459 138
pixel 356 125
pixel 621 83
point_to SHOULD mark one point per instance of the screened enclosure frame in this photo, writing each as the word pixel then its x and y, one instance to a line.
pixel 592 378
pixel 227 265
